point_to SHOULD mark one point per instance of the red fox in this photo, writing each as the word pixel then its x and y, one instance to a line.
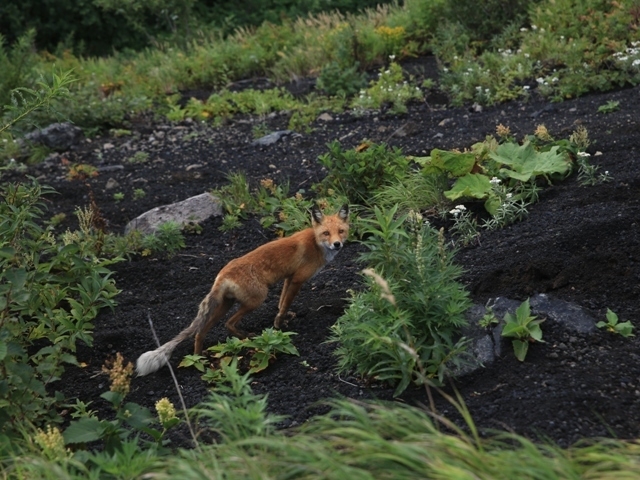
pixel 246 280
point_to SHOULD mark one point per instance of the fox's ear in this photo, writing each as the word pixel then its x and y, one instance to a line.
pixel 343 213
pixel 316 215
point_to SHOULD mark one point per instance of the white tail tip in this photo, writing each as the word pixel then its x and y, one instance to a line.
pixel 151 361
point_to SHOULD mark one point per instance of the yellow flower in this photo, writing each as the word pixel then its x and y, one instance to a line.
pixel 543 134
pixel 52 443
pixel 166 410
pixel 119 374
pixel 390 32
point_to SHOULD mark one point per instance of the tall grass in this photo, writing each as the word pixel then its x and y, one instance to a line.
pixel 365 441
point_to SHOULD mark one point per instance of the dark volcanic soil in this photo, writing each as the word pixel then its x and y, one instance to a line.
pixel 580 244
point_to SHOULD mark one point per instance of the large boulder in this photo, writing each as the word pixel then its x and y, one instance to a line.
pixel 194 209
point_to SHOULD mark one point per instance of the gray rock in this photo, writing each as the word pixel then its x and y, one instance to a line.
pixel 568 315
pixel 272 138
pixel 487 346
pixel 194 209
pixel 57 136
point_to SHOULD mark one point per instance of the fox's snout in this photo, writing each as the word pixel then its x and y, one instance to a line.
pixel 337 245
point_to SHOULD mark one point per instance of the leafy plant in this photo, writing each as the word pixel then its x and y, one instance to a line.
pixel 390 88
pixel 139 157
pixel 168 238
pixel 25 102
pixel 130 418
pixel 524 328
pixel 118 196
pixel 609 107
pixel 489 318
pixel 613 325
pixel 51 290
pixel 404 327
pixel 139 194
pixel 232 410
pixel 81 171
pixel 359 173
pixel 588 173
pixel 336 79
pixel 262 350
pixel 465 226
pixel 267 345
pixel 524 162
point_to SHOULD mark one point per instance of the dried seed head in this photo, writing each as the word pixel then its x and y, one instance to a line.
pixel 503 131
pixel 543 134
pixel 119 374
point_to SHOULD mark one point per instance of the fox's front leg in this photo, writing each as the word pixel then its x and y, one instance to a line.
pixel 289 292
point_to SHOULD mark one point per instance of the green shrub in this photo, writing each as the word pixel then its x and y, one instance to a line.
pixel 338 80
pixel 359 173
pixel 233 410
pixel 50 291
pixel 16 63
pixel 485 18
pixel 390 88
pixel 405 327
pixel 168 238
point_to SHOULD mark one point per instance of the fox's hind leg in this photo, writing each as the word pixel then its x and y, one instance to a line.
pixel 288 294
pixel 248 303
pixel 213 315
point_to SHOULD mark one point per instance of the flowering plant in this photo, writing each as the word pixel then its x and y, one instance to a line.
pixel 389 88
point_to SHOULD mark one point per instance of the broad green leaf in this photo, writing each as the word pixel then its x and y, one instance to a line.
pixel 520 348
pixel 114 398
pixel 7 252
pixel 84 430
pixel 536 332
pixel 456 163
pixel 138 416
pixel 625 329
pixel 3 350
pixel 612 317
pixel 525 162
pixel 523 311
pixel 492 204
pixel 17 278
pixel 511 329
pixel 473 185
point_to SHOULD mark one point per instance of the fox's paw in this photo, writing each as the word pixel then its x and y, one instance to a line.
pixel 283 320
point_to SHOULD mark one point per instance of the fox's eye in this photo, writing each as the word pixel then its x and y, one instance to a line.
pixel 326 233
pixel 341 231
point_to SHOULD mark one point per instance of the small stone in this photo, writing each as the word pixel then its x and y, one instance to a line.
pixel 111 184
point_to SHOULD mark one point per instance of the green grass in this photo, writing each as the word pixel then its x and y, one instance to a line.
pixel 355 440
pixel 546 50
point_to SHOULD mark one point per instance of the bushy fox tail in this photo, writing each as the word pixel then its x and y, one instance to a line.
pixel 153 360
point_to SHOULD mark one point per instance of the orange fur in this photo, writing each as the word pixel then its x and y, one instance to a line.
pixel 247 279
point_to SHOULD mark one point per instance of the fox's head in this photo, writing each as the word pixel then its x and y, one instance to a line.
pixel 331 230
